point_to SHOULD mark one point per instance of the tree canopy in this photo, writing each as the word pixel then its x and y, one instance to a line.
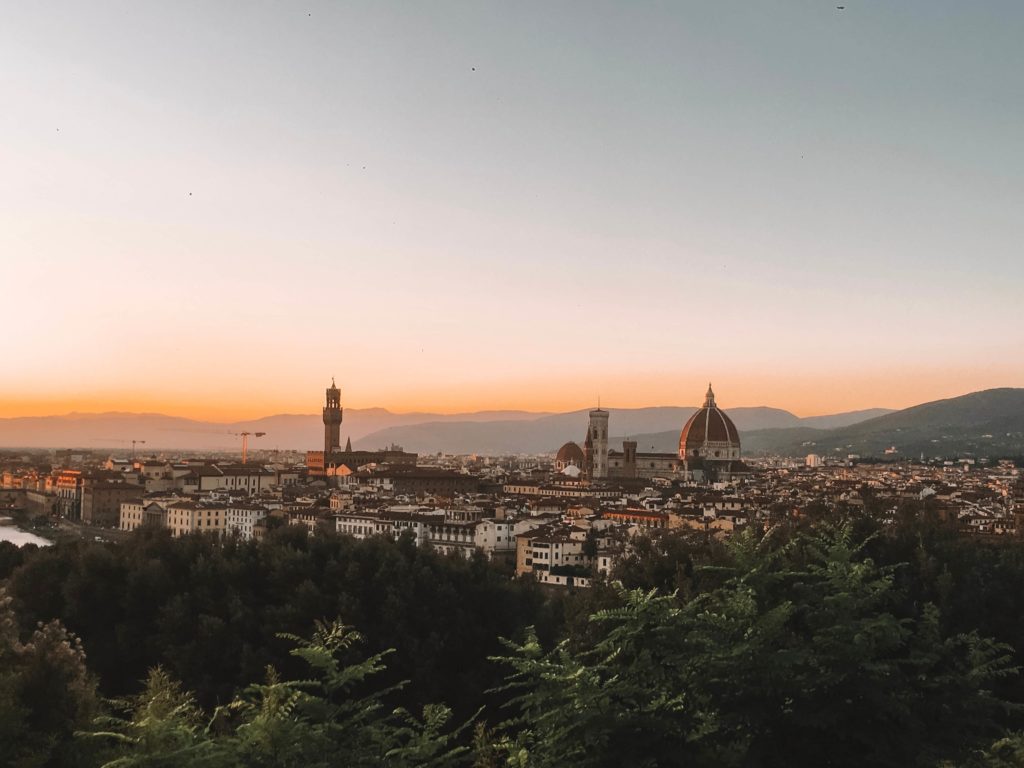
pixel 837 643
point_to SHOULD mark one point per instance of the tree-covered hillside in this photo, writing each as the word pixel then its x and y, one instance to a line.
pixel 829 642
pixel 988 423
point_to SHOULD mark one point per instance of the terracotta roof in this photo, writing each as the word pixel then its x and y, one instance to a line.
pixel 709 424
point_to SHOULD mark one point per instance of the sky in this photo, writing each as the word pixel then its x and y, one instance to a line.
pixel 211 208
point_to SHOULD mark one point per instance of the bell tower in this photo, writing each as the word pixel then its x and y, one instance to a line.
pixel 597 444
pixel 332 420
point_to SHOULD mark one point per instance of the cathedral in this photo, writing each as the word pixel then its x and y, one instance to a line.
pixel 709 451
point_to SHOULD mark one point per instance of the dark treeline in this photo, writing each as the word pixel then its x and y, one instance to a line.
pixel 210 613
pixel 976 583
pixel 835 641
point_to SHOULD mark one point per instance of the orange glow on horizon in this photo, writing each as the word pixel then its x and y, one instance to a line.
pixel 807 396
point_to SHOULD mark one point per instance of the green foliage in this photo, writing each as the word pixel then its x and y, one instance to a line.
pixel 799 653
pixel 1008 752
pixel 300 722
pixel 666 560
pixel 11 556
pixel 210 613
pixel 835 642
pixel 45 692
pixel 312 723
pixel 160 728
pixel 612 704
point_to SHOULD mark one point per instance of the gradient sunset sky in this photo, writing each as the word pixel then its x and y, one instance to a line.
pixel 210 208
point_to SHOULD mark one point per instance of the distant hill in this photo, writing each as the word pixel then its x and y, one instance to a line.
pixel 838 420
pixel 649 426
pixel 546 433
pixel 484 432
pixel 987 423
pixel 757 437
pixel 115 431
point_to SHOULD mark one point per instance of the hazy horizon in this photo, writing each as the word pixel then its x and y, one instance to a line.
pixel 315 412
pixel 209 209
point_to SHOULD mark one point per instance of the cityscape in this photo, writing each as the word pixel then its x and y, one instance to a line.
pixel 511 384
pixel 561 517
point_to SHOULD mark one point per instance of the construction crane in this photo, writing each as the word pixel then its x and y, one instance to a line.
pixel 133 442
pixel 245 442
pixel 244 435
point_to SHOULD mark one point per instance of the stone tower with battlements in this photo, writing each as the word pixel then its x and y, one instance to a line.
pixel 332 420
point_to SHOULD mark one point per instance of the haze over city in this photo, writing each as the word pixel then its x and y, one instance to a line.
pixel 208 209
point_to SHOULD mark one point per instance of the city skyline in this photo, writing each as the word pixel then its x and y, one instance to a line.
pixel 207 210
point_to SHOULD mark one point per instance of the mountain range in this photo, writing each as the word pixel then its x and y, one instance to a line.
pixel 115 430
pixel 547 433
pixel 485 432
pixel 988 423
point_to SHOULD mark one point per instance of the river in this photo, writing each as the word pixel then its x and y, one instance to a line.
pixel 20 537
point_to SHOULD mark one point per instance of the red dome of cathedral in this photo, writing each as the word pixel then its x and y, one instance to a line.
pixel 709 433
